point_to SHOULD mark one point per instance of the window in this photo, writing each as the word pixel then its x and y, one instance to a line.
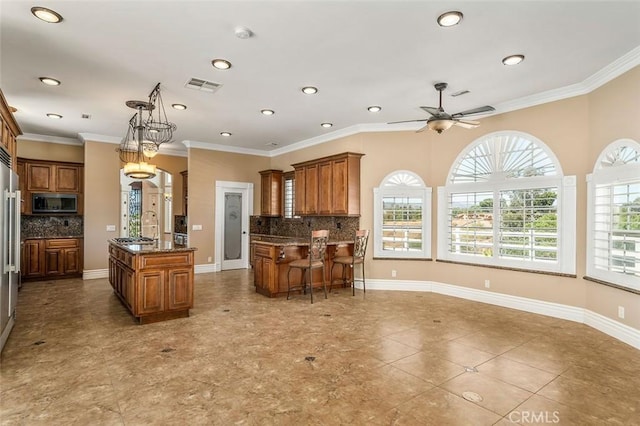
pixel 613 234
pixel 402 217
pixel 507 204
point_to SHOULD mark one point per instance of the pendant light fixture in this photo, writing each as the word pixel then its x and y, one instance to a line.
pixel 145 134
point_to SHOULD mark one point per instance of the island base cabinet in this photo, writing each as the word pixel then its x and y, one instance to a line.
pixel 154 287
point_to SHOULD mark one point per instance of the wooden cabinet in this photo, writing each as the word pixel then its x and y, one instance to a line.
pixel 185 191
pixel 9 131
pixel 52 258
pixel 153 285
pixel 53 177
pixel 32 262
pixel 271 193
pixel 330 186
pixel 62 257
pixel 48 176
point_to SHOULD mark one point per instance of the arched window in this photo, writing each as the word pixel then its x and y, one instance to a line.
pixel 402 217
pixel 613 230
pixel 507 204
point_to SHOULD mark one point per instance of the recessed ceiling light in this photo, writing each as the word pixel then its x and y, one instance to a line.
pixel 513 59
pixel 226 134
pixel 326 125
pixel 50 81
pixel 47 15
pixel 179 106
pixel 56 116
pixel 267 111
pixel 449 19
pixel 309 90
pixel 221 64
pixel 374 108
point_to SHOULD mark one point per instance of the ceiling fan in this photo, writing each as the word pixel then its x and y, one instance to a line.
pixel 441 121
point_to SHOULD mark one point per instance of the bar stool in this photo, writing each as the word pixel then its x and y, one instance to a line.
pixel 359 250
pixel 314 260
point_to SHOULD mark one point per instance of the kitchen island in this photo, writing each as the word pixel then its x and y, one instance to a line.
pixel 152 278
pixel 271 257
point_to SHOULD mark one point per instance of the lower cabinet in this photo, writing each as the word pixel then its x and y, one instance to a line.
pixel 51 258
pixel 153 286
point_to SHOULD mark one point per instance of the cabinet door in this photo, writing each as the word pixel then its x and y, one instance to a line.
pixel 271 193
pixel 150 298
pixel 67 178
pixel 325 188
pixel 39 177
pixel 311 190
pixel 340 189
pixel 22 183
pixel 71 261
pixel 128 287
pixel 299 195
pixel 180 288
pixel 32 264
pixel 53 262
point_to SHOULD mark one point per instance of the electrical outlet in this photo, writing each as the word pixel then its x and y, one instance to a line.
pixel 209 259
pixel 621 312
pixel 393 273
pixel 487 283
pixel 111 228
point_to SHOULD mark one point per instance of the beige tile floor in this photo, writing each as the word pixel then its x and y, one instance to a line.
pixel 390 358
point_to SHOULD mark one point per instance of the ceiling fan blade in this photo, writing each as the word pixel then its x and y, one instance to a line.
pixel 478 110
pixel 467 124
pixel 431 110
pixel 406 121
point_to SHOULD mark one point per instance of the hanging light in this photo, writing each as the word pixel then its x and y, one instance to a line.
pixel 144 136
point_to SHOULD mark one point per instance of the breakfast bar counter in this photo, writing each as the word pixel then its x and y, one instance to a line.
pixel 153 279
pixel 271 257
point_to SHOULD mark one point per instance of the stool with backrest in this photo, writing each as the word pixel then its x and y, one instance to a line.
pixel 359 250
pixel 314 260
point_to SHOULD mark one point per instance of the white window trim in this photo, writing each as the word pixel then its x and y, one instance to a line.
pixel 567 196
pixel 608 176
pixel 402 191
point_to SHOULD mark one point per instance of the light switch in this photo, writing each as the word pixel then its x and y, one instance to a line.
pixel 197 227
pixel 111 228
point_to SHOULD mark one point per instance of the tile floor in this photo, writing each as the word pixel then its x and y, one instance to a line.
pixel 390 358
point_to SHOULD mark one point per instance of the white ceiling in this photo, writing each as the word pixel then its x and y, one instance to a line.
pixel 358 53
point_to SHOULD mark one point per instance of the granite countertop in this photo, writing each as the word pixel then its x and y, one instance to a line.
pixel 158 246
pixel 49 237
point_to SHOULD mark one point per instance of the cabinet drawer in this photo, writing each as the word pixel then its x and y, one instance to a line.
pixel 263 251
pixel 62 243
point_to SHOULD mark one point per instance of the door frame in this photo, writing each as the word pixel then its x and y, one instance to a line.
pixel 223 187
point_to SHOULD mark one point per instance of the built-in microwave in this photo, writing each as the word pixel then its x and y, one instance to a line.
pixel 54 203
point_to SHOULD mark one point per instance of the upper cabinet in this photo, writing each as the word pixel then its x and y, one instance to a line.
pixel 9 131
pixel 46 176
pixel 271 193
pixel 328 186
pixel 185 191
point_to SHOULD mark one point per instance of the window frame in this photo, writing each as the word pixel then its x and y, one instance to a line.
pixel 420 191
pixel 565 262
pixel 608 176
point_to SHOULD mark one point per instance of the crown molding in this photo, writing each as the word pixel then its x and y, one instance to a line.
pixel 225 148
pixel 94 137
pixel 591 83
pixel 50 139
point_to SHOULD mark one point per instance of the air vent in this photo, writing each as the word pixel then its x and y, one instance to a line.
pixel 86 116
pixel 203 85
pixel 460 93
pixel 271 144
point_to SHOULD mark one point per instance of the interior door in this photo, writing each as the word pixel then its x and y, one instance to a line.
pixel 234 202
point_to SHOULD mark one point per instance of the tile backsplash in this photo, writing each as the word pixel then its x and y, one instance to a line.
pixel 32 226
pixel 341 228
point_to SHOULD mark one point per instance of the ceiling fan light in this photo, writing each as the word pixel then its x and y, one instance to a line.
pixel 439 126
pixel 513 59
pixel 449 19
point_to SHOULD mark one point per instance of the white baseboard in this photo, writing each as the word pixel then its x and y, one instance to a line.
pixel 93 274
pixel 207 267
pixel 622 332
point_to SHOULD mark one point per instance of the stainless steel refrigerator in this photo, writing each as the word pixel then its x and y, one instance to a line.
pixel 9 246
